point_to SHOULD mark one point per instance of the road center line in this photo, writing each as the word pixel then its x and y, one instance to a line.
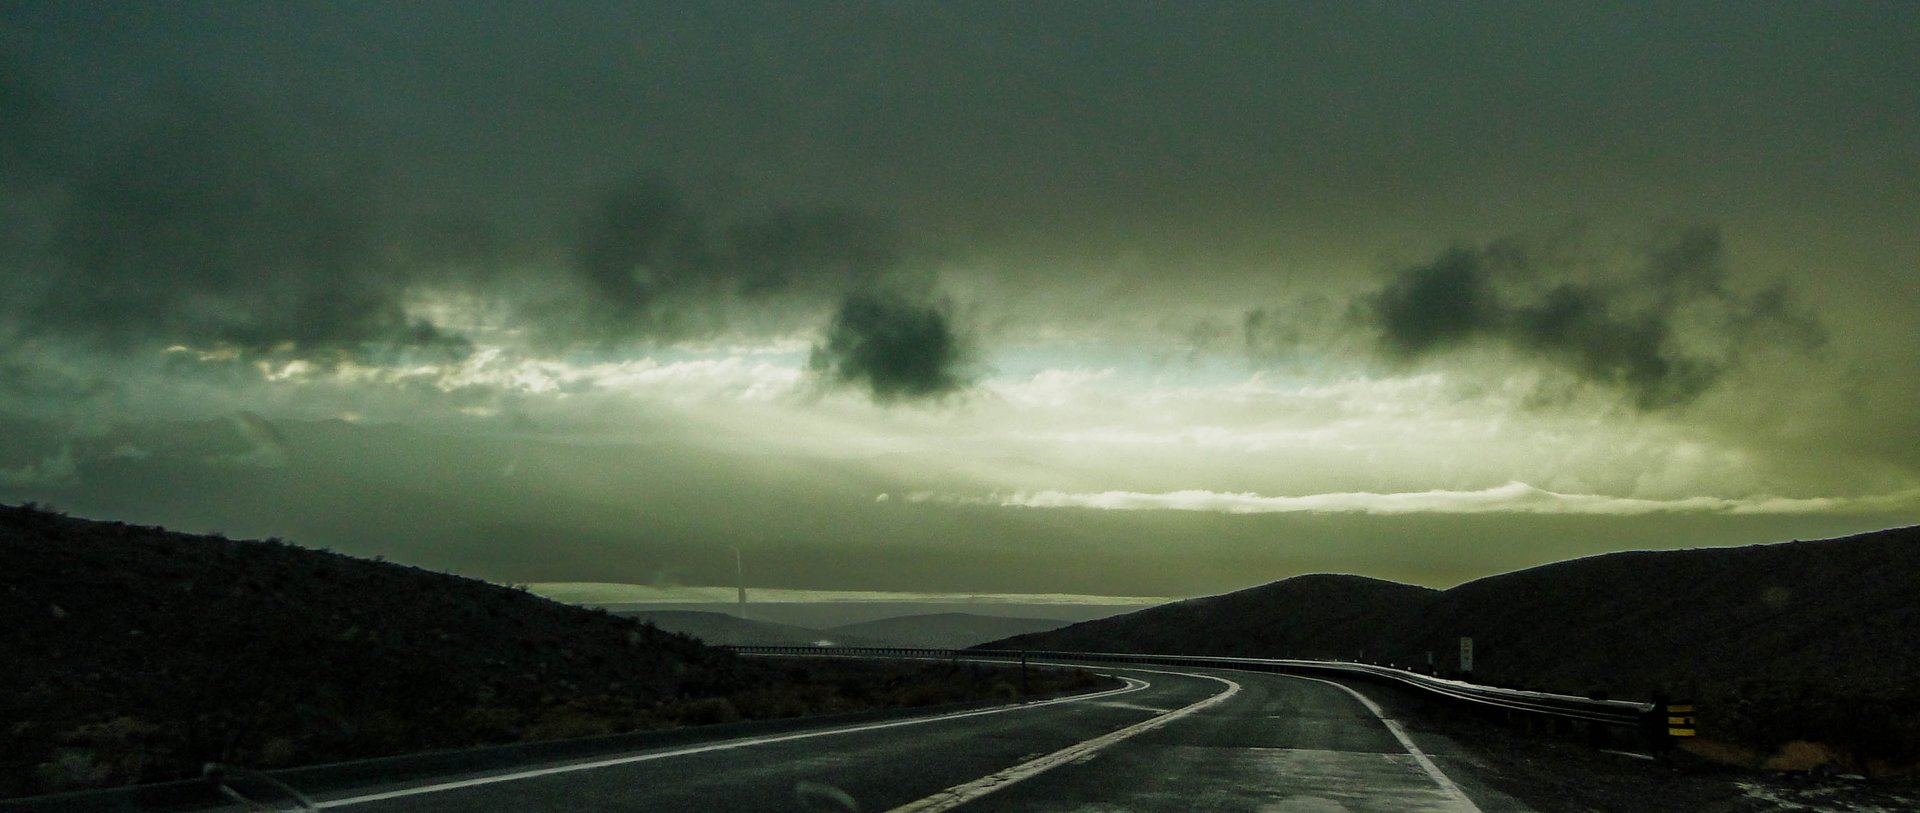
pixel 1133 685
pixel 961 794
pixel 1426 764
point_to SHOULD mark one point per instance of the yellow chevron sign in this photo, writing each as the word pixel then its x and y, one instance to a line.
pixel 1680 720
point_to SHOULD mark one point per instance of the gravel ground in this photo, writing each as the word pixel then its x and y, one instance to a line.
pixel 1555 774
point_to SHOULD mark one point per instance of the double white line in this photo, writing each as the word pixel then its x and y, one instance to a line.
pixel 961 794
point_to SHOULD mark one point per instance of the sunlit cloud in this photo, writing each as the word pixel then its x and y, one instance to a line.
pixel 729 373
pixel 1511 498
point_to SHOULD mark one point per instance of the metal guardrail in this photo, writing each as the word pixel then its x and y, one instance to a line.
pixel 1561 706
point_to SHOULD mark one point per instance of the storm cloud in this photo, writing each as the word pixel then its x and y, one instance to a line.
pixel 652 263
pixel 207 226
pixel 897 348
pixel 1639 332
pixel 241 235
pixel 655 265
pixel 617 249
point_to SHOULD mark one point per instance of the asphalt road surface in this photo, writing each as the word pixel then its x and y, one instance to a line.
pixel 1175 740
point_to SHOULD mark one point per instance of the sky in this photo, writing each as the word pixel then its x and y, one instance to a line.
pixel 1091 298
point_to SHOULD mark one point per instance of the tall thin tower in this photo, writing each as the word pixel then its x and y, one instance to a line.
pixel 740 578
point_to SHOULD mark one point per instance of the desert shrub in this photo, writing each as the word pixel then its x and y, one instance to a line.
pixel 1869 725
pixel 772 703
pixel 569 722
pixel 708 710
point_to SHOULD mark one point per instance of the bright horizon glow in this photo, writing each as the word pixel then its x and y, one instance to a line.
pixel 617 593
pixel 1513 497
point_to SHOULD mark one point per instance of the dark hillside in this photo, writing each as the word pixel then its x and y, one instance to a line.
pixel 1314 616
pixel 1839 611
pixel 167 645
pixel 1810 640
pixel 133 654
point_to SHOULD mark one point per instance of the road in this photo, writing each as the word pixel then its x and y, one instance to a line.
pixel 1176 740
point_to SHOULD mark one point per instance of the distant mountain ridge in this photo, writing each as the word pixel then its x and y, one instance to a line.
pixel 944 630
pixel 721 629
pixel 930 630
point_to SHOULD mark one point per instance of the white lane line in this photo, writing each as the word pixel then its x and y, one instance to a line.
pixel 1426 764
pixel 1627 754
pixel 725 745
pixel 961 794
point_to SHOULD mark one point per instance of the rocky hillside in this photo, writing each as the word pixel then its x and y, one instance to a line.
pixel 1317 616
pixel 1817 640
pixel 137 654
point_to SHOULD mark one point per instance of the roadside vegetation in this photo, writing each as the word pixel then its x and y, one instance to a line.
pixel 134 654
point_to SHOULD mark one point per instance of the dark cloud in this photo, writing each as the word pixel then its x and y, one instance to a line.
pixel 657 266
pixel 255 222
pixel 895 347
pixel 220 226
pixel 815 251
pixel 27 113
pixel 1636 333
pixel 1443 303
pixel 207 227
pixel 636 244
pixel 654 264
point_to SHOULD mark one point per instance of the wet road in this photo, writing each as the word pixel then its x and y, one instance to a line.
pixel 1177 740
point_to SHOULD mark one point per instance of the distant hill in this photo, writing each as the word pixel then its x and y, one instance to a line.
pixel 931 630
pixel 721 629
pixel 1320 616
pixel 942 630
pixel 1794 635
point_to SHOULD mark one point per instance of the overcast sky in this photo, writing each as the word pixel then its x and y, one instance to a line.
pixel 1146 299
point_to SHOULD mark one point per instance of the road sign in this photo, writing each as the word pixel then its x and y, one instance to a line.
pixel 1679 719
pixel 1466 654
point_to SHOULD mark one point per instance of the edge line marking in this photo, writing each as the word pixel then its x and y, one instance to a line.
pixel 1419 756
pixel 1133 685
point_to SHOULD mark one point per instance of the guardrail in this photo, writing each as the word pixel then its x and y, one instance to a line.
pixel 1621 713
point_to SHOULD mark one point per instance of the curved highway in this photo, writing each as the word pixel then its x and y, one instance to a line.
pixel 1176 739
